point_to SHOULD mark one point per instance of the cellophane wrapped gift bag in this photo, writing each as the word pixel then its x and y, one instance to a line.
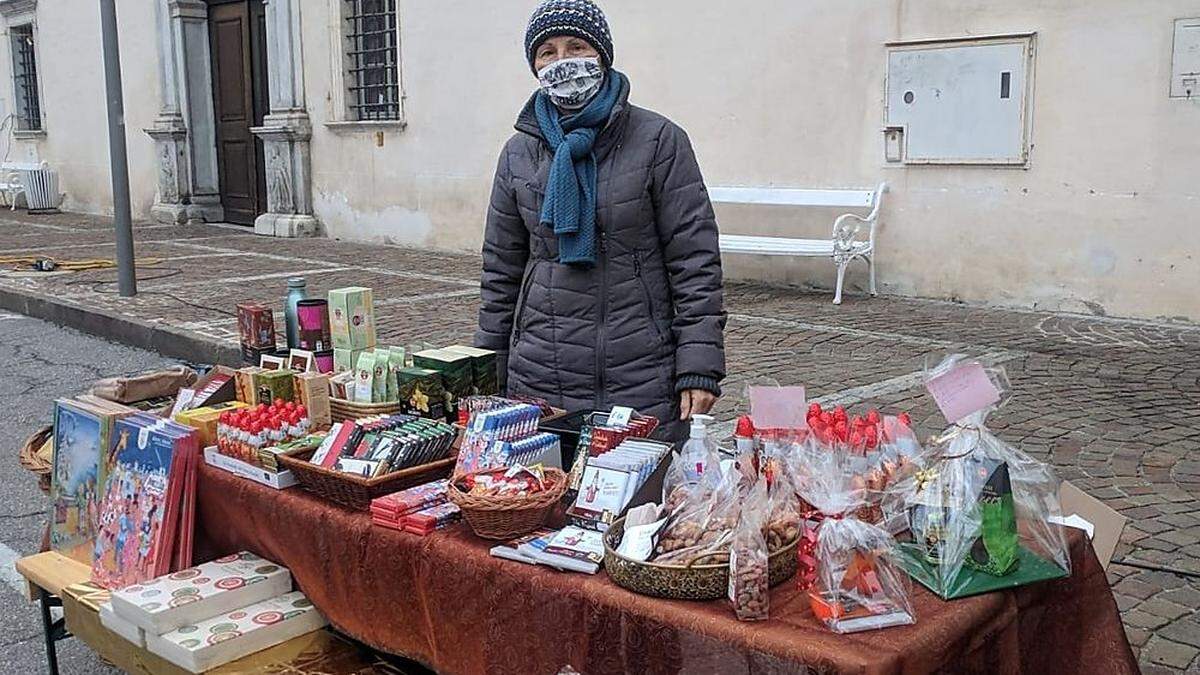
pixel 858 585
pixel 978 509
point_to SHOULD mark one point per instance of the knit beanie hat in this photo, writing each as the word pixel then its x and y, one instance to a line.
pixel 581 18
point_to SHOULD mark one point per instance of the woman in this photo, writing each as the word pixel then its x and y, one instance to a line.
pixel 601 273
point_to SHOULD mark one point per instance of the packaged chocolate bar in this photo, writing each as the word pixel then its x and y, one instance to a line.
pixel 412 499
pixel 433 518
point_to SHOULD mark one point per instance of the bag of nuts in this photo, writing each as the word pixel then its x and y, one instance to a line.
pixel 703 526
pixel 749 576
pixel 783 525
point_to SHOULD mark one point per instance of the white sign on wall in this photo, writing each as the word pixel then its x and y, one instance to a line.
pixel 962 101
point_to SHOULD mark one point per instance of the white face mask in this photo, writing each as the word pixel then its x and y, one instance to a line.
pixel 572 83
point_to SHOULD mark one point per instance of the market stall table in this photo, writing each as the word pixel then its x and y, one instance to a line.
pixel 444 601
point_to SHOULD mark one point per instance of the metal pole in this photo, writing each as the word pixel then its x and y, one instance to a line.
pixel 122 219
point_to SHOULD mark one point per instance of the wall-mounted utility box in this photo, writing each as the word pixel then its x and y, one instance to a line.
pixel 1185 59
pixel 960 101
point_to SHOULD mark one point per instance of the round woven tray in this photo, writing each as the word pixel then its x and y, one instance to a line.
pixel 493 517
pixel 679 582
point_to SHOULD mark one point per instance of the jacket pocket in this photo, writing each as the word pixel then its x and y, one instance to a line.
pixel 522 300
pixel 637 272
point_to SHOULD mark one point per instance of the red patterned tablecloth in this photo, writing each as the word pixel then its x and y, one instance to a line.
pixel 444 601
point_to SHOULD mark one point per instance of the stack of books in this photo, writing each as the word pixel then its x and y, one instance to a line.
pixel 206 616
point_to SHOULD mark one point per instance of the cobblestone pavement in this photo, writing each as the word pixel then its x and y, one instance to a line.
pixel 1113 404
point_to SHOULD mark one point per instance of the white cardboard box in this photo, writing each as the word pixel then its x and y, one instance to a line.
pixel 279 480
pixel 231 635
pixel 187 596
pixel 126 629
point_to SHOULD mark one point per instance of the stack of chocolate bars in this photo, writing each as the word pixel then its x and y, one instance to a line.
pixel 419 510
pixel 375 446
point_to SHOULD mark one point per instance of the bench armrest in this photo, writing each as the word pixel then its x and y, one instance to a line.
pixel 846 229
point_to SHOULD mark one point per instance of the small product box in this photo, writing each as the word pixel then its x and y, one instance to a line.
pixel 184 597
pixel 457 374
pixel 364 378
pixel 204 420
pixel 312 390
pixel 244 384
pixel 232 634
pixel 352 318
pixel 274 384
pixel 256 325
pixel 422 393
pixel 483 365
pixel 345 360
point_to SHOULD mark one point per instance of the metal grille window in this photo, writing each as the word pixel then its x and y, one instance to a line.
pixel 372 53
pixel 28 107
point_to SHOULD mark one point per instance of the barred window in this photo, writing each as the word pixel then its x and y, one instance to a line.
pixel 28 107
pixel 373 63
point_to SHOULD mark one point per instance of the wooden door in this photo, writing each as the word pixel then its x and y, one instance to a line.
pixel 237 38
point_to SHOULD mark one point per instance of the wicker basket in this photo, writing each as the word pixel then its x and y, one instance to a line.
pixel 35 460
pixel 494 517
pixel 341 410
pixel 678 582
pixel 356 492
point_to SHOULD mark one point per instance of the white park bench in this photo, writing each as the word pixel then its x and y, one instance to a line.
pixel 843 247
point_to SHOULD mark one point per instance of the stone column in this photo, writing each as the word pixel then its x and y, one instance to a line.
pixel 286 131
pixel 184 132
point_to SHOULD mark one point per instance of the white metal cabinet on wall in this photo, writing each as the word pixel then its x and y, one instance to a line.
pixel 961 101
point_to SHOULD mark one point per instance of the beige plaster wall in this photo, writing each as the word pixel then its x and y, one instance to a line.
pixel 791 93
pixel 71 71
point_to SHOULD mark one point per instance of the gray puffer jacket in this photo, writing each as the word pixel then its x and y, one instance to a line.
pixel 647 320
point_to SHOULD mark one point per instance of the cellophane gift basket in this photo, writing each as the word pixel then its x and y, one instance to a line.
pixel 858 584
pixel 978 509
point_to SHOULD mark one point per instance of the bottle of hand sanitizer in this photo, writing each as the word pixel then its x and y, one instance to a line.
pixel 698 447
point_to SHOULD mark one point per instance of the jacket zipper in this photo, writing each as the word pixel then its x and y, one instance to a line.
pixel 602 321
pixel 521 301
pixel 637 271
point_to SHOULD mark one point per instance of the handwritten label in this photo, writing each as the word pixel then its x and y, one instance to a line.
pixel 620 416
pixel 778 407
pixel 962 391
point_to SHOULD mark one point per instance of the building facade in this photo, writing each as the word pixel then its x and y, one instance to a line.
pixel 1038 154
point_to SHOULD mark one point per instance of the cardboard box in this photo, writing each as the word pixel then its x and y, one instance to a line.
pixel 204 420
pixel 274 384
pixel 312 391
pixel 243 381
pixel 256 325
pixel 1081 510
pixel 352 318
pixel 278 480
pixel 483 364
pixel 221 585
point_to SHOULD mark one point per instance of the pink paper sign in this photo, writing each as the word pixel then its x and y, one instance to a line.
pixel 778 407
pixel 963 390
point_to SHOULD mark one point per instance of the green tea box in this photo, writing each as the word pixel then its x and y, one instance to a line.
pixel 345 360
pixel 422 393
pixel 364 378
pixel 458 376
pixel 352 318
pixel 395 363
pixel 270 385
pixel 483 366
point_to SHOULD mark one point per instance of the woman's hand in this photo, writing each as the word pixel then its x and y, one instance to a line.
pixel 695 402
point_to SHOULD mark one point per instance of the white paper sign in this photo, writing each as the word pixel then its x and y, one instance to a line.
pixel 620 416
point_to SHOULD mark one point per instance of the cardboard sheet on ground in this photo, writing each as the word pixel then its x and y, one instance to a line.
pixel 1107 524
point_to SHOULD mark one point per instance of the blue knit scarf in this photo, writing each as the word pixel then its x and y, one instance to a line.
pixel 570 202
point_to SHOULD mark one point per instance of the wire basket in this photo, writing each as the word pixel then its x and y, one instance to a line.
pixel 502 517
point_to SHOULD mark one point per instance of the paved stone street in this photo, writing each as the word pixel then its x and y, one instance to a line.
pixel 1113 404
